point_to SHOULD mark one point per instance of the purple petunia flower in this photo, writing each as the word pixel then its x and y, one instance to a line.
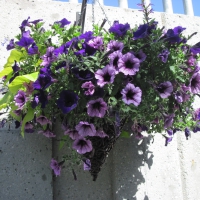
pixel 181 96
pixel 131 94
pixel 73 134
pixel 118 29
pixel 165 89
pixel 85 129
pixel 24 23
pixel 96 43
pixel 40 97
pixel 86 36
pixel 105 75
pixel 33 49
pixel 25 42
pixel 47 133
pixel 128 64
pixel 29 127
pixel 82 146
pixel 195 83
pixel 191 61
pixel 196 116
pixel 42 120
pixel 36 21
pixel 187 132
pixel 100 133
pixel 55 166
pixel 140 55
pixel 114 58
pixel 169 138
pixel 15 67
pixel 87 164
pixel 68 101
pixel 48 57
pixel 20 99
pixel 26 34
pixel 97 108
pixel 168 120
pixel 62 22
pixel 11 45
pixel 63 49
pixel 85 75
pixel 195 49
pixel 164 55
pixel 114 45
pixel 89 88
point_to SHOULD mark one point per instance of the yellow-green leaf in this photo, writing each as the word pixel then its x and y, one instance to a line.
pixel 4 105
pixel 6 71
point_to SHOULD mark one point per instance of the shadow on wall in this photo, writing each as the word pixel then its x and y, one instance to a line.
pixel 131 163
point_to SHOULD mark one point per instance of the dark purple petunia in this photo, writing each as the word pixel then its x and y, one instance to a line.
pixel 73 134
pixel 165 89
pixel 114 45
pixel 36 21
pixel 86 36
pixel 195 49
pixel 17 124
pixel 96 43
pixel 82 146
pixel 163 56
pixel 61 50
pixel 131 94
pixel 114 58
pixel 62 64
pixel 42 120
pixel 11 45
pixel 128 64
pixel 119 30
pixel 196 129
pixel 87 164
pixel 15 67
pixel 187 132
pixel 20 99
pixel 33 49
pixel 29 127
pixel 48 57
pixel 97 108
pixel 195 83
pixel 140 55
pixel 168 120
pixel 55 167
pixel 85 75
pixel 68 101
pixel 43 81
pixel 169 137
pixel 62 22
pixel 85 129
pixel 105 75
pixel 196 116
pixel 89 88
pixel 25 42
pixel 40 97
pixel 86 50
pixel 24 23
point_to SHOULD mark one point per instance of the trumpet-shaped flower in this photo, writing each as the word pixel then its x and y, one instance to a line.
pixel 85 129
pixel 82 146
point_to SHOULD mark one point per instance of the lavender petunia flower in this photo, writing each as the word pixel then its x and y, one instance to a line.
pixel 191 61
pixel 196 116
pixel 181 97
pixel 68 101
pixel 140 55
pixel 33 49
pixel 105 75
pixel 47 133
pixel 164 55
pixel 168 120
pixel 82 146
pixel 100 133
pixel 97 108
pixel 29 127
pixel 114 45
pixel 55 167
pixel 49 57
pixel 195 83
pixel 131 94
pixel 195 49
pixel 42 120
pixel 25 42
pixel 114 58
pixel 118 29
pixel 96 43
pixel 169 138
pixel 89 88
pixel 11 45
pixel 85 129
pixel 165 89
pixel 26 34
pixel 87 164
pixel 73 134
pixel 128 64
pixel 20 99
pixel 62 22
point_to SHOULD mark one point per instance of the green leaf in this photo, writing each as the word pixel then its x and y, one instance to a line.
pixel 28 117
pixel 62 142
pixel 172 68
pixel 31 77
pixel 125 134
pixel 6 71
pixel 5 100
pixel 4 105
pixel 112 101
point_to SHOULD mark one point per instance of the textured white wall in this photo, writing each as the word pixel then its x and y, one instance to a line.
pixel 146 171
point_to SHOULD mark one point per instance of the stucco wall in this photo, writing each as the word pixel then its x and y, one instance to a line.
pixel 132 171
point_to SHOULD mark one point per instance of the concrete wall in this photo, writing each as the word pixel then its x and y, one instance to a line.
pixel 132 171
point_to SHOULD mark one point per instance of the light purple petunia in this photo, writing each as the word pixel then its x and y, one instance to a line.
pixel 47 133
pixel 29 127
pixel 163 56
pixel 168 120
pixel 96 42
pixel 43 120
pixel 85 129
pixel 165 89
pixel 196 114
pixel 131 94
pixel 128 64
pixel 73 134
pixel 81 145
pixel 105 75
pixel 89 88
pixel 55 167
pixel 114 45
pixel 97 108
pixel 114 58
pixel 100 133
pixel 195 83
pixel 48 57
pixel 191 61
pixel 20 99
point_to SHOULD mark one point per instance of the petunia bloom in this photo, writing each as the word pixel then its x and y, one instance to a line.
pixel 55 167
pixel 131 95
pixel 168 120
pixel 82 146
pixel 195 83
pixel 49 57
pixel 85 129
pixel 114 45
pixel 11 45
pixel 73 134
pixel 96 42
pixel 114 58
pixel 119 30
pixel 87 164
pixel 62 22
pixel 100 133
pixel 20 99
pixel 89 88
pixel 42 120
pixel 128 64
pixel 68 101
pixel 97 108
pixel 165 89
pixel 105 75
pixel 33 49
pixel 163 56
pixel 195 49
pixel 47 133
pixel 25 42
